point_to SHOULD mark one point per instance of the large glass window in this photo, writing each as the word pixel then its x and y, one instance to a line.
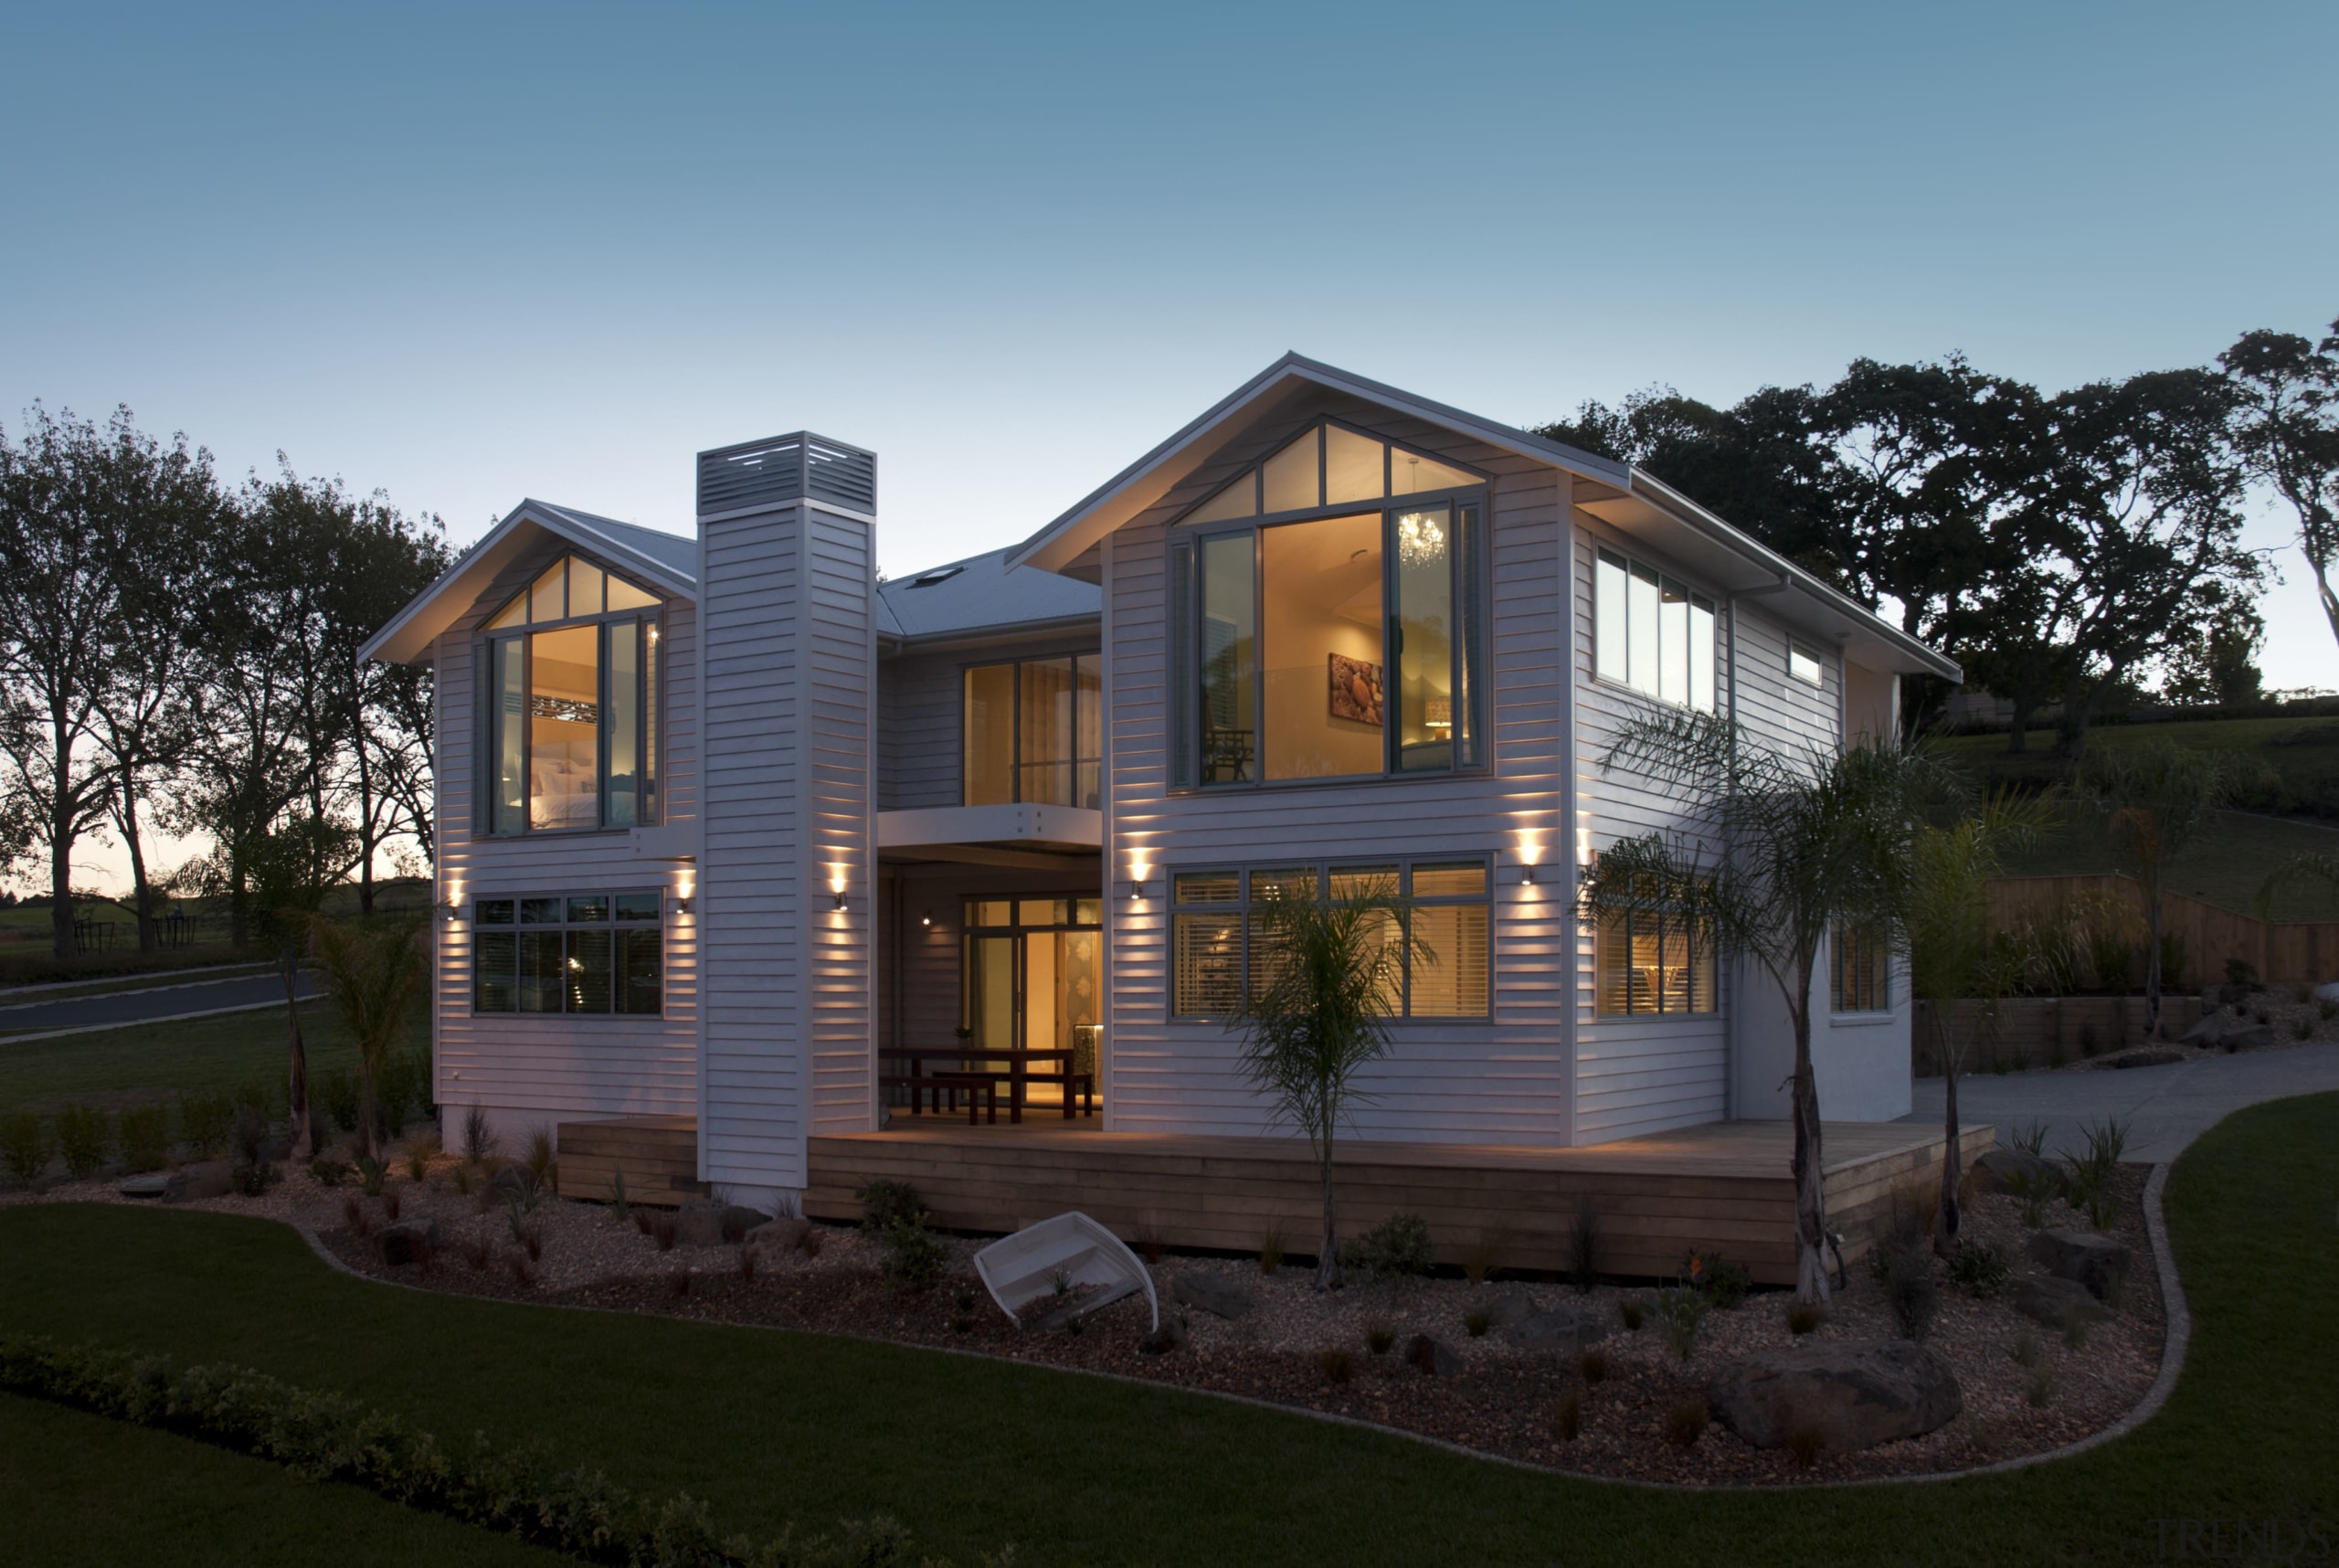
pixel 1334 646
pixel 571 678
pixel 568 952
pixel 1221 950
pixel 1033 731
pixel 1653 961
pixel 1652 633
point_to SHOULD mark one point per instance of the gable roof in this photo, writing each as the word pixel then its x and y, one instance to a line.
pixel 980 594
pixel 666 562
pixel 1636 502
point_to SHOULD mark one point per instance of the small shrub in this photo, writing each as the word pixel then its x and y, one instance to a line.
pixel 2034 1190
pixel 2026 1348
pixel 1477 1323
pixel 145 1137
pixel 620 1206
pixel 1149 1244
pixel 2038 1388
pixel 1630 1310
pixel 2302 1029
pixel 1584 1249
pixel 327 1172
pixel 1725 1284
pixel 520 1206
pixel 2329 1008
pixel 251 1132
pixel 1478 1261
pixel 372 1173
pixel 1338 1366
pixel 523 1271
pixel 337 1093
pixel 542 1162
pixel 392 1204
pixel 254 1180
pixel 913 1256
pixel 477 1252
pixel 1804 1317
pixel 419 1153
pixel 2074 1330
pixel 1685 1422
pixel 1915 1301
pixel 205 1121
pixel 463 1179
pixel 2030 1137
pixel 1397 1246
pixel 24 1144
pixel 1981 1270
pixel 481 1139
pixel 353 1214
pixel 532 1242
pixel 1592 1367
pixel 807 1239
pixel 1270 1249
pixel 2240 971
pixel 884 1204
pixel 2087 1181
pixel 82 1140
pixel 962 1311
pixel 1567 1424
pixel 1680 1313
pixel 1379 1336
pixel 679 1281
pixel 1805 1444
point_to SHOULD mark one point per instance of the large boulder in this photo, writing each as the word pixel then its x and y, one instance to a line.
pixel 2250 1037
pixel 2095 1261
pixel 1563 1331
pixel 204 1179
pixel 1854 1394
pixel 1437 1359
pixel 709 1221
pixel 2210 1032
pixel 2001 1169
pixel 2055 1302
pixel 1171 1335
pixel 1214 1293
pixel 1510 1307
pixel 409 1241
pixel 154 1184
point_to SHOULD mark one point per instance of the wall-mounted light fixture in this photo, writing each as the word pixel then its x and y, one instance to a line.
pixel 451 910
pixel 839 903
pixel 683 905
pixel 1526 876
pixel 926 920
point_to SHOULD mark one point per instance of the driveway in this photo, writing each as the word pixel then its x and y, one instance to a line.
pixel 2165 1109
pixel 108 1010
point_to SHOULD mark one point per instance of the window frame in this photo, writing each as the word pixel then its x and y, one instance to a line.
pixel 1094 656
pixel 650 689
pixel 1845 947
pixel 1712 602
pixel 610 924
pixel 1817 680
pixel 1604 936
pixel 1472 585
pixel 1322 869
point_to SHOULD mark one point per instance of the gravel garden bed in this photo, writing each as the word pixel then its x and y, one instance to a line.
pixel 2025 1387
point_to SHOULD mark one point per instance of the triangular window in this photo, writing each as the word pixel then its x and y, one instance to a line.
pixel 571 590
pixel 1330 465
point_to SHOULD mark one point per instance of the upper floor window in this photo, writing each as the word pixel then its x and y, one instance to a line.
pixel 570 675
pixel 1804 665
pixel 1340 642
pixel 1654 634
pixel 1860 973
pixel 1032 732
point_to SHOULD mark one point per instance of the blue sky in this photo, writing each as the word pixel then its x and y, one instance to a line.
pixel 471 253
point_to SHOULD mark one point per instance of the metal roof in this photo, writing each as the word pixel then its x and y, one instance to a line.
pixel 981 593
pixel 677 553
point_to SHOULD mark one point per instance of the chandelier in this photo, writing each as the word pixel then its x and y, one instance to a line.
pixel 1420 541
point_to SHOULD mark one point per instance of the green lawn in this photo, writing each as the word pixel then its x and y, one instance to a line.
pixel 972 1453
pixel 2226 867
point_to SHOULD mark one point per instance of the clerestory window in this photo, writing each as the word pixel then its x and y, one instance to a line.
pixel 570 676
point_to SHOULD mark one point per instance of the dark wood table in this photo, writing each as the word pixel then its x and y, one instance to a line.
pixel 1019 1072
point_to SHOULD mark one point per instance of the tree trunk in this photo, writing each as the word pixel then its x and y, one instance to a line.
pixel 2152 961
pixel 142 892
pixel 1810 1190
pixel 1328 1247
pixel 1952 1168
pixel 2322 591
pixel 2018 733
pixel 60 893
pixel 303 1134
pixel 368 833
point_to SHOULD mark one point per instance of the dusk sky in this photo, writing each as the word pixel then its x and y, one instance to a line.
pixel 472 253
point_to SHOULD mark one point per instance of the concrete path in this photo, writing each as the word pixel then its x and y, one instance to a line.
pixel 146 1005
pixel 2165 1109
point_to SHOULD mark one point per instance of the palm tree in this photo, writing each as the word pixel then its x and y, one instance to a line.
pixel 1333 969
pixel 374 974
pixel 1780 847
pixel 1952 957
pixel 2157 798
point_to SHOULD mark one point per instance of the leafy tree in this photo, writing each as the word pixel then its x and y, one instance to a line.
pixel 1777 848
pixel 2219 664
pixel 375 975
pixel 2286 423
pixel 2156 799
pixel 1319 1015
pixel 288 869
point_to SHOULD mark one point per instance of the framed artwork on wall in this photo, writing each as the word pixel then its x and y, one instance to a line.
pixel 1356 690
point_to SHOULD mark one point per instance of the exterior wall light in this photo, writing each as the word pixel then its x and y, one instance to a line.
pixel 926 920
pixel 683 905
pixel 1526 876
pixel 839 903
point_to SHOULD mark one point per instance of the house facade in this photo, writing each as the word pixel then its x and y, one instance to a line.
pixel 723 819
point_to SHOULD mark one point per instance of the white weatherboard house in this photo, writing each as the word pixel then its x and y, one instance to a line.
pixel 730 831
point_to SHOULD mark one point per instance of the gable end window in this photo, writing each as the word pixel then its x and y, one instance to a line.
pixel 1651 634
pixel 569 678
pixel 1328 616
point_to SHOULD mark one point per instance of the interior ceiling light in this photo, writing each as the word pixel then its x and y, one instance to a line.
pixel 1420 541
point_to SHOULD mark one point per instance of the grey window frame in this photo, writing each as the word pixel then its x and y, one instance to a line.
pixel 1015 722
pixel 1710 602
pixel 609 924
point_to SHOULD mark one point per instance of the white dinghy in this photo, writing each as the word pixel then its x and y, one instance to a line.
pixel 1071 1249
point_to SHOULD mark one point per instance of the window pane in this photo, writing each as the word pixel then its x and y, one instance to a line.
pixel 648 805
pixel 1469 542
pixel 623 595
pixel 508 812
pixel 1352 466
pixel 1209 886
pixel 1612 988
pixel 640 972
pixel 991 912
pixel 1088 733
pixel 1045 739
pixel 1229 649
pixel 1640 630
pixel 639 905
pixel 563 729
pixel 1300 882
pixel 1672 968
pixel 1410 474
pixel 540 962
pixel 589 910
pixel 1608 612
pixel 1239 499
pixel 1207 965
pixel 514 614
pixel 625 724
pixel 493 912
pixel 1088 912
pixel 1450 979
pixel 1701 972
pixel 1289 477
pixel 1460 879
pixel 1644 982
pixel 586 982
pixel 1424 640
pixel 1673 643
pixel 540 912
pixel 492 963
pixel 546 598
pixel 584 588
pixel 989 721
pixel 1363 881
pixel 1319 648
pixel 1042 912
pixel 1702 655
pixel 1802 665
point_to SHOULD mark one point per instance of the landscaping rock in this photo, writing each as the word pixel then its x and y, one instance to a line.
pixel 2209 1031
pixel 2055 1302
pixel 153 1186
pixel 1427 1356
pixel 1563 1331
pixel 2167 1058
pixel 2095 1261
pixel 708 1222
pixel 2327 991
pixel 1170 1336
pixel 410 1241
pixel 204 1179
pixel 509 1179
pixel 1998 1170
pixel 1854 1393
pixel 1218 1296
pixel 1510 1307
pixel 2255 1037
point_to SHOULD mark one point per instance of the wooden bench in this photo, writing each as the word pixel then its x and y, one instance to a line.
pixel 1081 1083
pixel 982 1091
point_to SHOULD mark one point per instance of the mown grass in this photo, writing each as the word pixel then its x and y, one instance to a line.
pixel 2226 867
pixel 139 1063
pixel 971 1453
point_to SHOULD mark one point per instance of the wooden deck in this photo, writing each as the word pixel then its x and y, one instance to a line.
pixel 1723 1186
